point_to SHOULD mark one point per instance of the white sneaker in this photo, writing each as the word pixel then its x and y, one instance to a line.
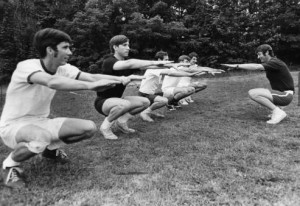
pixel 277 116
pixel 146 117
pixel 108 134
pixel 183 102
pixel 189 99
pixel 123 127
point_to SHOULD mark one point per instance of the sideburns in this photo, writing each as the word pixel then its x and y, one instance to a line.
pixel 55 53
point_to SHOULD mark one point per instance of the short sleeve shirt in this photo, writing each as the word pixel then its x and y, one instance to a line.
pixel 25 99
pixel 170 81
pixel 107 68
pixel 151 81
pixel 279 75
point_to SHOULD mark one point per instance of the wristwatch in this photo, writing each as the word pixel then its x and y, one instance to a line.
pixel 237 66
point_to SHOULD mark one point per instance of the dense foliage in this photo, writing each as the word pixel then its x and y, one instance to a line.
pixel 218 30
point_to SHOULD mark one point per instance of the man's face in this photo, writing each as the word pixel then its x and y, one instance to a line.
pixel 193 60
pixel 263 58
pixel 123 49
pixel 63 53
pixel 166 58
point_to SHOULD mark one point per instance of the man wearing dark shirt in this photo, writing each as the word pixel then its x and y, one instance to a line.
pixel 119 109
pixel 280 79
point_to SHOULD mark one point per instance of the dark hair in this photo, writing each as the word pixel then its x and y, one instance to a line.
pixel 116 41
pixel 264 48
pixel 193 54
pixel 183 57
pixel 49 37
pixel 160 55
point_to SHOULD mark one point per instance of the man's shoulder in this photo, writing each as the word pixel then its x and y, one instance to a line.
pixel 29 62
pixel 109 57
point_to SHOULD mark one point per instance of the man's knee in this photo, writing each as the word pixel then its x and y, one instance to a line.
pixel 39 141
pixel 190 90
pixel 90 129
pixel 253 93
pixel 37 146
pixel 144 102
pixel 164 100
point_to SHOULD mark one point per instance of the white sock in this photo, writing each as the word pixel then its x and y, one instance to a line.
pixel 147 111
pixel 106 124
pixel 9 162
pixel 125 117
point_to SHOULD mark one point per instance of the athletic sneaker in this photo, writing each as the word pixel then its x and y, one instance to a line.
pixel 146 117
pixel 57 155
pixel 189 100
pixel 183 102
pixel 170 107
pixel 123 127
pixel 277 116
pixel 13 177
pixel 107 133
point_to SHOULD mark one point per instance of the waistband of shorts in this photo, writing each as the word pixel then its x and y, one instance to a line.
pixel 289 92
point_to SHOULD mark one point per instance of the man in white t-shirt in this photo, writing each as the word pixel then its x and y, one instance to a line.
pixel 149 86
pixel 25 126
pixel 174 93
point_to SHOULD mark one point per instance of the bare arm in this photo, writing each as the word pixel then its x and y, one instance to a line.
pixel 179 73
pixel 67 84
pixel 250 66
pixel 137 64
pixel 84 76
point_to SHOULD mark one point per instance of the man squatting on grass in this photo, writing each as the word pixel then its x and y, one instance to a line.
pixel 25 126
pixel 110 103
pixel 281 81
pixel 150 84
pixel 174 91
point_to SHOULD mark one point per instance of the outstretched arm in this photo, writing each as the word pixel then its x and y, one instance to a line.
pixel 67 84
pixel 138 64
pixel 84 76
pixel 250 66
pixel 180 73
pixel 201 69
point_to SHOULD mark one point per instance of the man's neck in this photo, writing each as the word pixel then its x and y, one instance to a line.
pixel 49 66
pixel 118 56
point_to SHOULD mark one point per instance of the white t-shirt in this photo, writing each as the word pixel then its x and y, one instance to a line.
pixel 170 81
pixel 27 100
pixel 184 81
pixel 151 82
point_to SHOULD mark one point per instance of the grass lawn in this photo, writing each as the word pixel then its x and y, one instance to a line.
pixel 216 151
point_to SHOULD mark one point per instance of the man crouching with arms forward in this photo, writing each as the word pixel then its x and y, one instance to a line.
pixel 25 126
pixel 281 81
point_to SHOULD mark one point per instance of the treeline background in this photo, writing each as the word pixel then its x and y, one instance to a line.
pixel 220 31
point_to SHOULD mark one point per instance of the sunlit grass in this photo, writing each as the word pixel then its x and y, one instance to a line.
pixel 216 151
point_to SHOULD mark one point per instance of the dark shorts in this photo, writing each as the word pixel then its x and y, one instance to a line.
pixel 99 104
pixel 282 98
pixel 151 97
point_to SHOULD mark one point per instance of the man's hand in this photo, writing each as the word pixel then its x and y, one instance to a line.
pixel 125 80
pixel 231 66
pixel 136 77
pixel 103 85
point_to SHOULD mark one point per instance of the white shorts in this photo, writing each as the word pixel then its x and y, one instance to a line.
pixel 169 91
pixel 8 133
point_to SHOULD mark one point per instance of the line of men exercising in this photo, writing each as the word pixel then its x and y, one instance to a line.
pixel 25 126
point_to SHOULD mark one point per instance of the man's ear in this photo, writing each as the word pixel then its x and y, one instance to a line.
pixel 49 50
pixel 115 47
pixel 267 53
